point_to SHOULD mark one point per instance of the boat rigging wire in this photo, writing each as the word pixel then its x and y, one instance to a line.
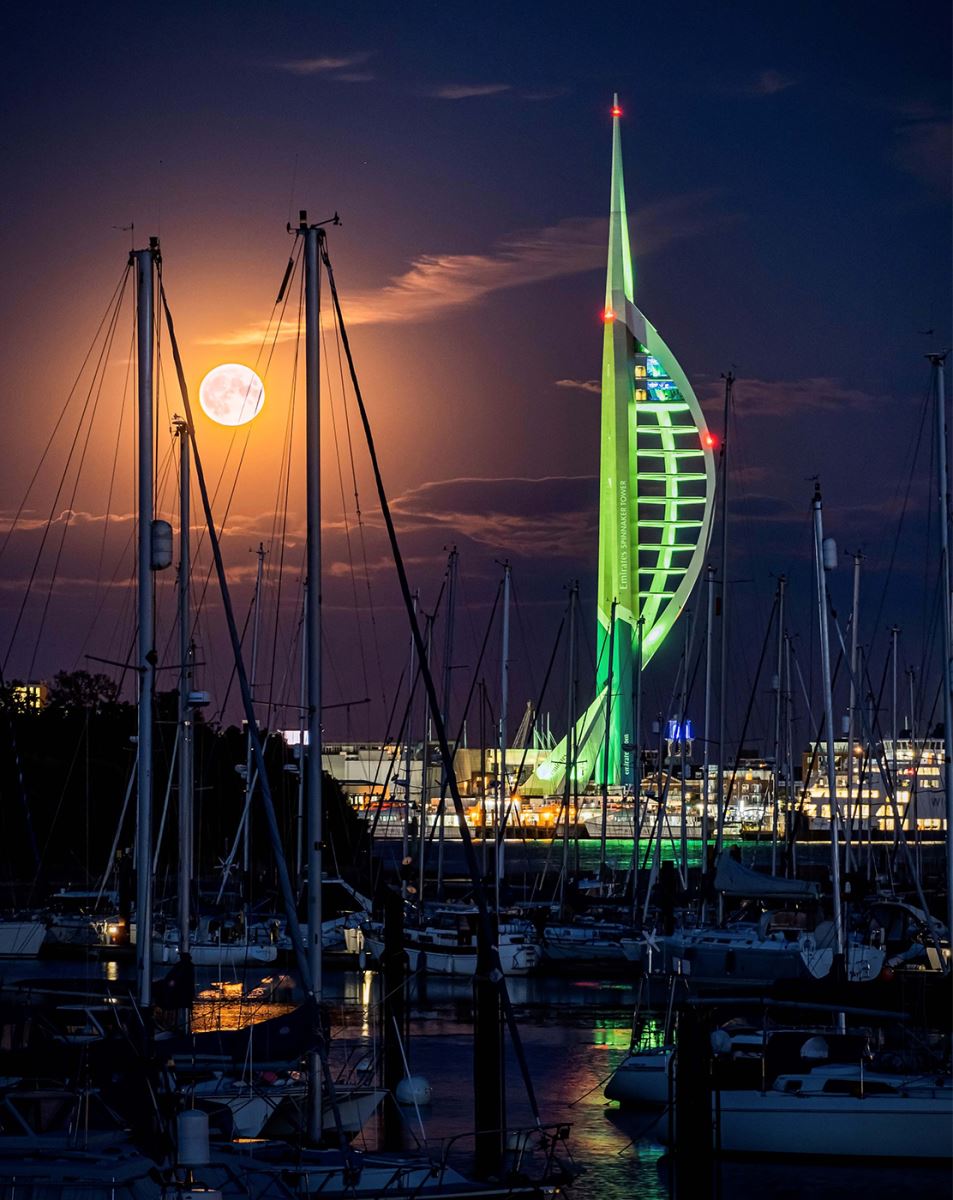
pixel 524 641
pixel 751 700
pixel 67 515
pixel 441 807
pixel 113 301
pixel 501 824
pixel 485 936
pixel 898 531
pixel 112 473
pixel 281 503
pixel 891 790
pixel 344 514
pixel 287 893
pixel 372 615
pixel 279 307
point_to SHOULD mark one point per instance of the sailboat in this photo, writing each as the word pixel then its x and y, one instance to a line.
pixel 317 1169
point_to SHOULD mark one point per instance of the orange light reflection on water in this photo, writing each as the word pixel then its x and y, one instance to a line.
pixel 230 1004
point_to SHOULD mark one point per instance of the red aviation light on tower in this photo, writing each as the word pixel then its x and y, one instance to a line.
pixel 616 110
pixel 607 315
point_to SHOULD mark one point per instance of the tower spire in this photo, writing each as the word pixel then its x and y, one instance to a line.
pixel 656 488
pixel 618 583
pixel 620 284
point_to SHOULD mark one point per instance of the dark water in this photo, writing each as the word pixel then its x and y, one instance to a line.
pixel 574 1033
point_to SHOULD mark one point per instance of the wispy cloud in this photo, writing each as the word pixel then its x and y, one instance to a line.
pixel 581 385
pixel 770 82
pixel 464 91
pixel 324 65
pixel 437 285
pixel 551 515
pixel 924 145
pixel 30 521
pixel 552 93
pixel 780 397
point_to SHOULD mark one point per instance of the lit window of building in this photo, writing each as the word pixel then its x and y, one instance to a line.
pixel 31 696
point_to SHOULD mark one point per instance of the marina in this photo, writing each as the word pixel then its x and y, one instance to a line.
pixel 445 752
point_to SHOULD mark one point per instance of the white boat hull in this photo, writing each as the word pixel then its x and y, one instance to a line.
pixel 837 1126
pixel 720 956
pixel 642 1079
pixel 461 961
pixel 216 954
pixel 21 939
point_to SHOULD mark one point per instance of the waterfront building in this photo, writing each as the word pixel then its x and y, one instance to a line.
pixel 863 796
pixel 30 697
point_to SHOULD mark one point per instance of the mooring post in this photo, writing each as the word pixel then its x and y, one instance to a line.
pixel 489 1078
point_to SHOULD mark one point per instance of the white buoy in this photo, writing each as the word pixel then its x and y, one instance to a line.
pixel 192 1128
pixel 414 1090
pixel 829 554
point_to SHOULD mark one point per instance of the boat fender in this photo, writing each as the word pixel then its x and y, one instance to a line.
pixel 815 1049
pixel 192 1129
pixel 413 1090
pixel 887 973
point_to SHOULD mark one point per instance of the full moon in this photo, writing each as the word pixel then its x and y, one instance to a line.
pixel 231 394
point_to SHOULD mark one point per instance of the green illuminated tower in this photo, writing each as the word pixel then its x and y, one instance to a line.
pixel 656 497
pixel 657 479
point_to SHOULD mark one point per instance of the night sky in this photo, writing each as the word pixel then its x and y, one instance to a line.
pixel 788 178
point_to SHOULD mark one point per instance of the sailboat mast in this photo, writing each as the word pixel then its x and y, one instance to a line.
pixel 313 794
pixel 445 715
pixel 313 798
pixel 637 764
pixel 145 261
pixel 821 568
pixel 723 679
pixel 790 814
pixel 894 649
pixel 851 720
pixel 405 833
pixel 706 742
pixel 249 774
pixel 938 361
pixel 682 764
pixel 778 704
pixel 570 742
pixel 300 831
pixel 185 688
pixel 504 793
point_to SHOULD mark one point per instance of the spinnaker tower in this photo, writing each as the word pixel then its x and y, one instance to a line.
pixel 656 500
